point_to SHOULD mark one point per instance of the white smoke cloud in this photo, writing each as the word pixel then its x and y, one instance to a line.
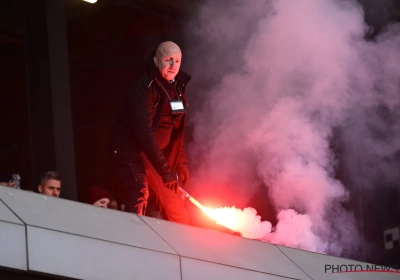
pixel 300 236
pixel 292 71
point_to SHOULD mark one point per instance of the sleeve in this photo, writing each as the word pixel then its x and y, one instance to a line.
pixel 141 109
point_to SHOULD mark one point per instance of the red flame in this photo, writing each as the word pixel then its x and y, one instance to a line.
pixel 245 221
pixel 224 216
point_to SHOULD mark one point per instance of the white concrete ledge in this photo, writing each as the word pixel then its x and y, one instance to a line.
pixel 75 240
pixel 13 246
pixel 80 257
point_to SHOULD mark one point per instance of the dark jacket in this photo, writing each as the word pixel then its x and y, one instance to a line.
pixel 135 126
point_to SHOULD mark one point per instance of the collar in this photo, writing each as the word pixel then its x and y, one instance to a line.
pixel 182 78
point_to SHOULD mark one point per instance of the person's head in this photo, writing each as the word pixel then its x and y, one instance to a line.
pixel 13 182
pixel 168 58
pixel 50 184
pixel 99 197
pixel 113 204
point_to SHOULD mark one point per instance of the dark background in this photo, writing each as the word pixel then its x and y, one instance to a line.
pixel 107 43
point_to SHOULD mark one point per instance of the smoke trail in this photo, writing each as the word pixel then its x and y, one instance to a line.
pixel 292 71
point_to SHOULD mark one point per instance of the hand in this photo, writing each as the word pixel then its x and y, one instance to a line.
pixel 183 172
pixel 12 184
pixel 170 180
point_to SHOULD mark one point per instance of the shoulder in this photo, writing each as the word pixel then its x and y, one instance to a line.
pixel 183 79
pixel 142 83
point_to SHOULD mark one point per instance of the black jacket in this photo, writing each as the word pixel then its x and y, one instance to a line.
pixel 134 129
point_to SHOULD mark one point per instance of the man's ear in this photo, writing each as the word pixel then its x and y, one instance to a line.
pixel 155 60
pixel 40 188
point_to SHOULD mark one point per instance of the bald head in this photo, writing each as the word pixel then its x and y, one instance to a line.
pixel 168 59
pixel 167 48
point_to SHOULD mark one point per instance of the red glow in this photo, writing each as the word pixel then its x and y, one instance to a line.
pixel 224 216
pixel 227 217
pixel 246 221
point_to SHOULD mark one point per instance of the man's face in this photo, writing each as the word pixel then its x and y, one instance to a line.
pixel 51 188
pixel 104 202
pixel 168 62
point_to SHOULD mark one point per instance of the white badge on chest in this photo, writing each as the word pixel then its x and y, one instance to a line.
pixel 177 106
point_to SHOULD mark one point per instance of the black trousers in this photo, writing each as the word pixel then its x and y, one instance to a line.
pixel 137 177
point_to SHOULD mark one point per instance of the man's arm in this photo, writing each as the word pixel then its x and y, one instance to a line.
pixel 182 168
pixel 141 110
pixel 183 158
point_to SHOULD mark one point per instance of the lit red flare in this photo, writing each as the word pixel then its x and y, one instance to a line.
pixel 244 222
pixel 226 217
